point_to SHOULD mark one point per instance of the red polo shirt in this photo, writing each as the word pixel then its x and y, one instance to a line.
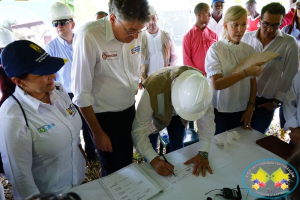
pixel 195 46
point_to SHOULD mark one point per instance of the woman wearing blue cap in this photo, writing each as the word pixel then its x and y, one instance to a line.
pixel 39 126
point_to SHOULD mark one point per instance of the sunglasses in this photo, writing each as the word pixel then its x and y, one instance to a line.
pixel 63 22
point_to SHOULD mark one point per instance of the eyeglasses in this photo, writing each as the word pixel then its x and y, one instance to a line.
pixel 132 33
pixel 298 7
pixel 61 22
pixel 267 25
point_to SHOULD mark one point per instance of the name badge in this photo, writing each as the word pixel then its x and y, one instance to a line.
pixel 113 55
pixel 71 110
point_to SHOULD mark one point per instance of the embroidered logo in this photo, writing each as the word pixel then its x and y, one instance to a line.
pixel 45 128
pixel 278 58
pixel 71 110
pixel 135 49
pixel 36 48
pixel 110 55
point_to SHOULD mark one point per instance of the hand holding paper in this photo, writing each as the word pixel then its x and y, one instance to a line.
pixel 253 62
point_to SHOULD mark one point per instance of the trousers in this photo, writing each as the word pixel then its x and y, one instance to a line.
pixel 117 125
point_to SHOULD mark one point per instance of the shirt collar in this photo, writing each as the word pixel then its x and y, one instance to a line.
pixel 278 34
pixel 195 28
pixel 221 20
pixel 30 101
pixel 62 41
pixel 109 31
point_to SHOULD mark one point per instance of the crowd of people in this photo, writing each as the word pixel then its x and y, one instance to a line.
pixel 88 81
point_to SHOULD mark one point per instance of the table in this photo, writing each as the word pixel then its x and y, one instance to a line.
pixel 227 165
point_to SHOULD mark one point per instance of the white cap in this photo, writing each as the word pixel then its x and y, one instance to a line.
pixel 60 11
pixel 191 95
pixel 6 37
pixel 152 10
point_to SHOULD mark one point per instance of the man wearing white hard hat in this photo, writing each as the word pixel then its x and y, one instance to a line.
pixel 158 51
pixel 62 20
pixel 172 93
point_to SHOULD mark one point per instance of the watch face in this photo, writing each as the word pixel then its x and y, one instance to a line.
pixel 204 154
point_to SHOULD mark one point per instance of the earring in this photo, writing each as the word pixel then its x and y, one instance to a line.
pixel 25 92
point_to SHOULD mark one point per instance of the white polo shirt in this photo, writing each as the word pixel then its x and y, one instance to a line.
pixel 44 158
pixel 277 75
pixel 221 58
pixel 142 122
pixel 156 52
pixel 216 27
pixel 105 72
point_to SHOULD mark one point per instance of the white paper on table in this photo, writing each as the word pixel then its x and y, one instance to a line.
pixel 182 172
pixel 130 182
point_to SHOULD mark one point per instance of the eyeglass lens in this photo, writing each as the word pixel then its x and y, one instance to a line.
pixel 61 22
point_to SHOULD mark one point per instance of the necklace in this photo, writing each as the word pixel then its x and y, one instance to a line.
pixel 42 99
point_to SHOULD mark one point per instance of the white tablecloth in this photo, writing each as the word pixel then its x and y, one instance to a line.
pixel 227 165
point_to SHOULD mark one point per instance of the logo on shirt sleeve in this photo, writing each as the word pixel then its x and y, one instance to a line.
pixel 71 110
pixel 45 128
pixel 134 49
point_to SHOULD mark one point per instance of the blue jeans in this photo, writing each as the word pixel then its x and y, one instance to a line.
pixel 176 132
pixel 262 117
pixel 227 121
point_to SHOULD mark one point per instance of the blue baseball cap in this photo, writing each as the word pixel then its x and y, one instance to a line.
pixel 25 57
pixel 215 1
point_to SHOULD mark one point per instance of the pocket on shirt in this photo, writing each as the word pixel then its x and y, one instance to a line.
pixel 135 63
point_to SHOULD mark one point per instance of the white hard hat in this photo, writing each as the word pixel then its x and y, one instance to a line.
pixel 191 95
pixel 152 10
pixel 6 37
pixel 60 11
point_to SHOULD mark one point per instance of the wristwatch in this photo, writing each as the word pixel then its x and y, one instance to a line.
pixel 204 154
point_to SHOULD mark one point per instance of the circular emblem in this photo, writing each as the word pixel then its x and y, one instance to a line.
pixel 270 178
pixel 104 56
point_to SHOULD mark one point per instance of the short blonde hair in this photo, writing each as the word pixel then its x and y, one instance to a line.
pixel 232 14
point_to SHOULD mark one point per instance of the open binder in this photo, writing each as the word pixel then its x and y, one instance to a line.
pixel 130 182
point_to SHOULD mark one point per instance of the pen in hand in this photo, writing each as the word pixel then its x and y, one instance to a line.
pixel 167 162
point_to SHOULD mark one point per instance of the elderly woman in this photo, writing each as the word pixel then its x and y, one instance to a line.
pixel 234 94
pixel 39 126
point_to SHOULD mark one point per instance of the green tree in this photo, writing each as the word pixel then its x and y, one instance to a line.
pixel 8 24
pixel 69 3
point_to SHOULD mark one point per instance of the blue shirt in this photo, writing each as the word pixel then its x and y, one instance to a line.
pixel 295 31
pixel 60 48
